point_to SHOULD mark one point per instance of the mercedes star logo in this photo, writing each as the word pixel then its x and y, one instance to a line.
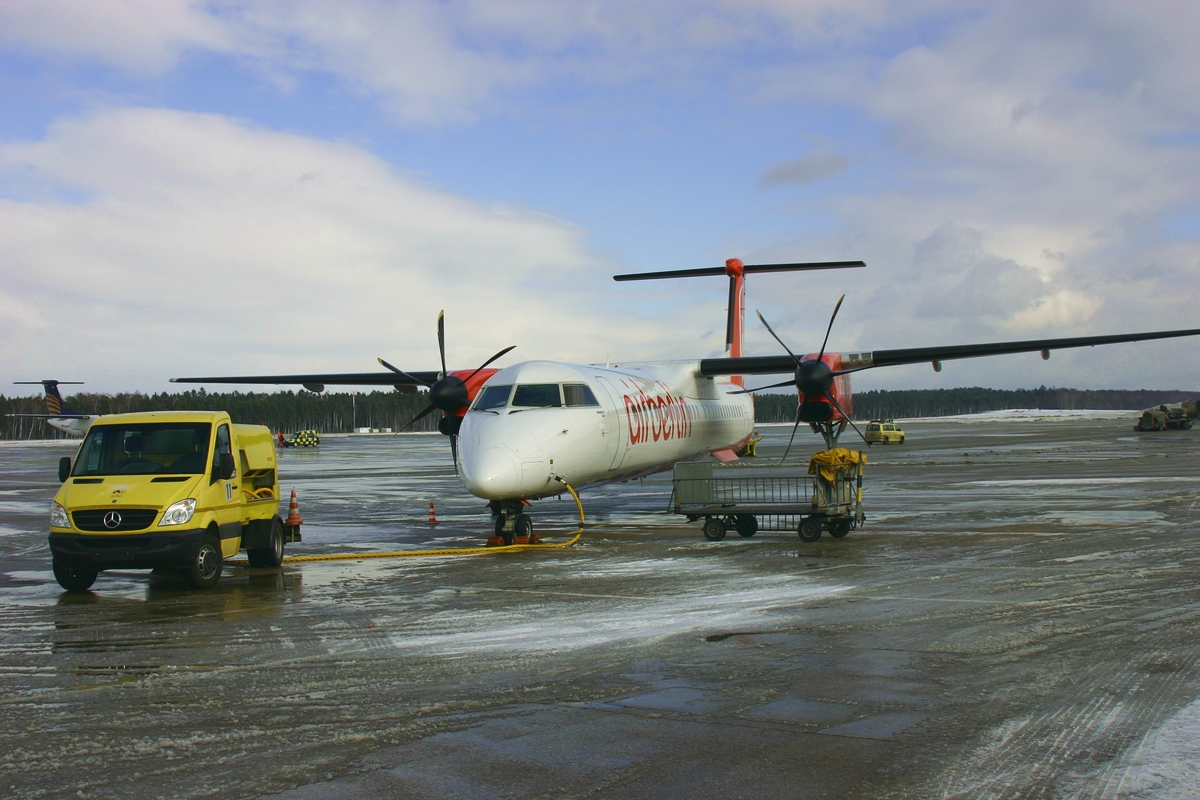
pixel 112 519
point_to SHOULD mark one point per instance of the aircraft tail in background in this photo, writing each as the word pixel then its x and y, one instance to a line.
pixel 57 414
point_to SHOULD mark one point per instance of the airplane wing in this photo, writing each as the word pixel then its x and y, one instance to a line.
pixel 317 383
pixel 774 365
pixel 55 416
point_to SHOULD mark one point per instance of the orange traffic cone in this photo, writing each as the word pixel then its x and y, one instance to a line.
pixel 293 517
pixel 432 516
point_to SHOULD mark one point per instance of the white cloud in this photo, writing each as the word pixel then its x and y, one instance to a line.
pixel 205 245
pixel 812 167
pixel 143 36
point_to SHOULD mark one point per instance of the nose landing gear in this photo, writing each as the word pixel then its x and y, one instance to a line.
pixel 511 524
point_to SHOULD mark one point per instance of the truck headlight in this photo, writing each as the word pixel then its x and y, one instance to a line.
pixel 179 513
pixel 58 516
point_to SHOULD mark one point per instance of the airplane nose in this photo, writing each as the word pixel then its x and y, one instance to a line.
pixel 491 473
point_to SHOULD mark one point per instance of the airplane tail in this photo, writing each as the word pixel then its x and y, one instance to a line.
pixel 54 402
pixel 735 322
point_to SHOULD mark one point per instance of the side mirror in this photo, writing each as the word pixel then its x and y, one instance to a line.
pixel 64 469
pixel 226 466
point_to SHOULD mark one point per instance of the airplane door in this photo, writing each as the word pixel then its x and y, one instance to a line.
pixel 614 431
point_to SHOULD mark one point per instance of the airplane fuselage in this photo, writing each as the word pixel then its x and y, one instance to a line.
pixel 72 426
pixel 536 426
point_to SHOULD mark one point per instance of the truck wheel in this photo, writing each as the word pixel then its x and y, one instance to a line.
pixel 272 554
pixel 809 530
pixel 746 524
pixel 839 529
pixel 714 529
pixel 74 578
pixel 205 569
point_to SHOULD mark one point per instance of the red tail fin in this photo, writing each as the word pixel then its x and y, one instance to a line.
pixel 735 324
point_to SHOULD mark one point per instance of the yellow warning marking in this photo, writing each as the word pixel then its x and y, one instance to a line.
pixel 455 551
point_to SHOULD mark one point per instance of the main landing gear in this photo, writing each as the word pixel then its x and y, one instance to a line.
pixel 511 524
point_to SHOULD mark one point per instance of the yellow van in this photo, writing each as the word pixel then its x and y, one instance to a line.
pixel 168 489
pixel 883 431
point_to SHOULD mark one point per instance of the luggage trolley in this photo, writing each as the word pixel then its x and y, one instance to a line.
pixel 750 499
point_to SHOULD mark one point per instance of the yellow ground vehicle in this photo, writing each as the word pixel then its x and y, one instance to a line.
pixel 883 431
pixel 174 489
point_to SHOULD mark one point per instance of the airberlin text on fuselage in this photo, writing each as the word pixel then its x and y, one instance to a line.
pixel 660 417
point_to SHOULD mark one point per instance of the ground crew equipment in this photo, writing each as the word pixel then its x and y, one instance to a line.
pixel 173 489
pixel 773 498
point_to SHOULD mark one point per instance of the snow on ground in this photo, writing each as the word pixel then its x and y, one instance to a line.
pixel 1166 764
pixel 1034 415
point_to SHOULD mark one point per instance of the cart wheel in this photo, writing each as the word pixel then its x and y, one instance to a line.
pixel 714 529
pixel 809 530
pixel 746 524
pixel 839 529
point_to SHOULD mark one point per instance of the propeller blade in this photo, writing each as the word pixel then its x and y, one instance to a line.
pixel 827 330
pixel 790 438
pixel 829 397
pixel 442 340
pixel 763 320
pixel 490 360
pixel 401 372
pixel 772 386
pixel 454 451
pixel 429 409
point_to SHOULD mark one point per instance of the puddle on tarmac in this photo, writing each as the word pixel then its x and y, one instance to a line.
pixel 809 712
pixel 878 726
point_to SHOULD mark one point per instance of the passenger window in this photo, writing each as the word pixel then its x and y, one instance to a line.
pixel 223 446
pixel 579 394
pixel 537 395
pixel 493 397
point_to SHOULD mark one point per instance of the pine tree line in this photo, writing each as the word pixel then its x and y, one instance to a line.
pixel 909 403
pixel 288 411
pixel 338 412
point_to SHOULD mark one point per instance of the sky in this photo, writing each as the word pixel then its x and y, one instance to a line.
pixel 228 188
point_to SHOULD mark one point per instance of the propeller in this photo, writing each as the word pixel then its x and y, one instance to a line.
pixel 448 393
pixel 813 381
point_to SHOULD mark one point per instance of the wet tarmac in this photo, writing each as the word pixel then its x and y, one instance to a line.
pixel 1018 619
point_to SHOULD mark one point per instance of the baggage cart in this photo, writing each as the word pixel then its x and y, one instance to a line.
pixel 749 499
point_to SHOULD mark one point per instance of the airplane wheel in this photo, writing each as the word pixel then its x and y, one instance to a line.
pixel 714 529
pixel 809 530
pixel 74 578
pixel 839 529
pixel 522 527
pixel 746 524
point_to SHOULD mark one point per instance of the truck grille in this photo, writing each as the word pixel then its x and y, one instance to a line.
pixel 130 519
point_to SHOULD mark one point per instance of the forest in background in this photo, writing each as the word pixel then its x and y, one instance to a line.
pixel 339 412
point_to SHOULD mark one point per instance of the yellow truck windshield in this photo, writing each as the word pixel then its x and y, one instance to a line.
pixel 159 448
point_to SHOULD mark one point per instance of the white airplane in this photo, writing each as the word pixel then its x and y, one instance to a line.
pixel 527 431
pixel 58 415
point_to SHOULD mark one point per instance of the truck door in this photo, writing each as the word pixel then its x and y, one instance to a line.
pixel 225 496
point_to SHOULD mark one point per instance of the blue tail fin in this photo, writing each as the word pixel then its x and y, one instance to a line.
pixel 54 401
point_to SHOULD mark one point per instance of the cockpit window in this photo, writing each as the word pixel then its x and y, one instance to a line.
pixel 579 394
pixel 493 397
pixel 537 395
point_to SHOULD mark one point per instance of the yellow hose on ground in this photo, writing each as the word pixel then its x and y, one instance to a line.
pixel 454 551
